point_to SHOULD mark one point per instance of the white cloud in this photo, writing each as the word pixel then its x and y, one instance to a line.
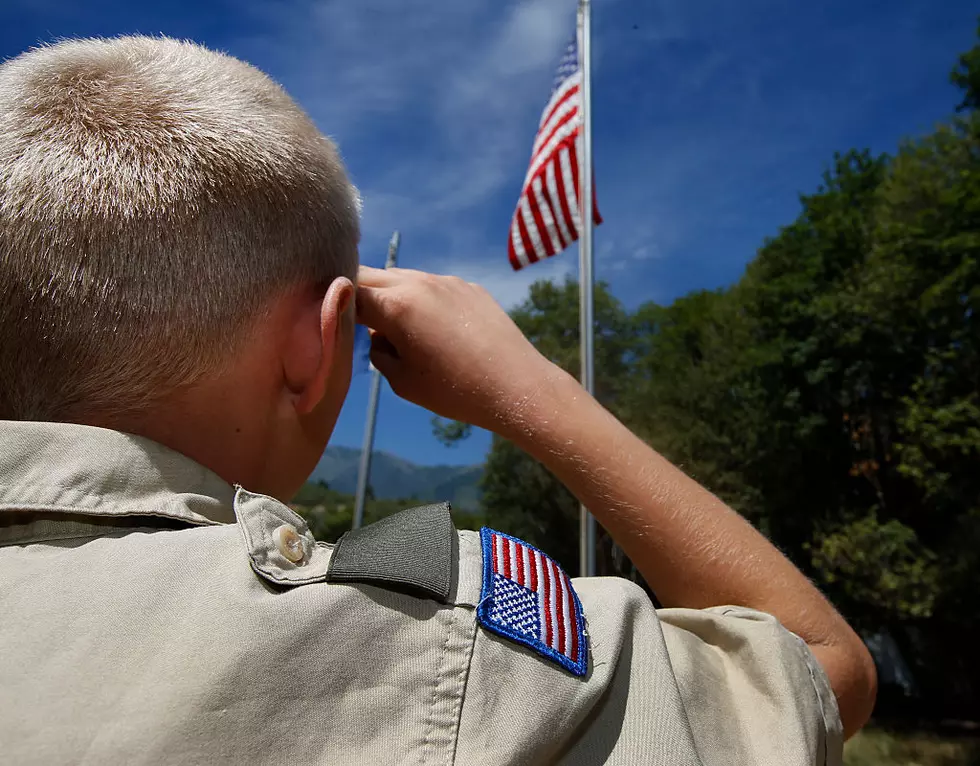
pixel 483 112
pixel 510 288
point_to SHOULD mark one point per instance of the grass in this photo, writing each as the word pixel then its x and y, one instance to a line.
pixel 876 747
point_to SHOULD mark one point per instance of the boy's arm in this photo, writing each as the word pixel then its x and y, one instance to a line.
pixel 445 345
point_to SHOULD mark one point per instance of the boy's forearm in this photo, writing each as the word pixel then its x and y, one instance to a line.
pixel 692 549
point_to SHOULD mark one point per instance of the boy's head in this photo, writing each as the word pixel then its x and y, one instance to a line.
pixel 178 244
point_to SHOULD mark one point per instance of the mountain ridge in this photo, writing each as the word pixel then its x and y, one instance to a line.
pixel 393 477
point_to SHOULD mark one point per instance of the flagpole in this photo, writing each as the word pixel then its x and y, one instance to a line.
pixel 372 415
pixel 586 279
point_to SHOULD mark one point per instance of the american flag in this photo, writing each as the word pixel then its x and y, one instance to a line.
pixel 547 217
pixel 527 597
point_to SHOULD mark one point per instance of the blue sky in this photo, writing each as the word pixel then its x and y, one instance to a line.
pixel 710 116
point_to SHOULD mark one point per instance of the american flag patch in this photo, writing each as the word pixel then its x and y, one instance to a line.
pixel 527 598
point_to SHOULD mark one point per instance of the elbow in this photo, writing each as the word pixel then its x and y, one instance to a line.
pixel 856 685
pixel 867 689
pixel 851 672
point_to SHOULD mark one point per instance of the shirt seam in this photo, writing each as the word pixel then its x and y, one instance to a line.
pixel 113 531
pixel 430 723
pixel 96 499
pixel 464 677
pixel 808 661
pixel 103 510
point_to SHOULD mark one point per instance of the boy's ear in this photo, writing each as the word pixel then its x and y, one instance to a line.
pixel 315 344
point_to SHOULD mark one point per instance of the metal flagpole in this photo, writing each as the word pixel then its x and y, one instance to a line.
pixel 372 415
pixel 586 279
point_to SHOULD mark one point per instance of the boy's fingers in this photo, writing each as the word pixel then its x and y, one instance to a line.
pixel 368 307
pixel 384 357
pixel 382 347
pixel 371 277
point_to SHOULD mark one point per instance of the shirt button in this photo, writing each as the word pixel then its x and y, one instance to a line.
pixel 289 542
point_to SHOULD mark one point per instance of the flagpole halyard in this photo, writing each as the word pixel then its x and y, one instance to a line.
pixel 367 448
pixel 587 528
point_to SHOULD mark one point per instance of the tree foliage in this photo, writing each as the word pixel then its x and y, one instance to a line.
pixel 966 77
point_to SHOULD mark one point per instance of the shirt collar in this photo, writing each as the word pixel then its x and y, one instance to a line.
pixel 62 468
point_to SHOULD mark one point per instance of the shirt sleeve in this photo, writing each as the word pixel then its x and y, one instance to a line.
pixel 684 687
pixel 753 692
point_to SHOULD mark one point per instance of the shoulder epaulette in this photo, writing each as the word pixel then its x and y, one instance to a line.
pixel 411 551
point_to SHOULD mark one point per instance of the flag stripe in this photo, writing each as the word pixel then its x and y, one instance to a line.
pixel 560 216
pixel 518 563
pixel 539 559
pixel 566 211
pixel 574 652
pixel 535 569
pixel 542 217
pixel 537 251
pixel 559 610
pixel 525 238
pixel 555 606
pixel 566 600
pixel 536 222
pixel 554 212
pixel 511 252
pixel 571 198
pixel 573 162
pixel 548 603
pixel 516 246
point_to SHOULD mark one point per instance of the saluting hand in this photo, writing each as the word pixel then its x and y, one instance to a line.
pixel 446 345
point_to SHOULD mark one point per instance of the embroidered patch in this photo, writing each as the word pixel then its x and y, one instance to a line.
pixel 527 598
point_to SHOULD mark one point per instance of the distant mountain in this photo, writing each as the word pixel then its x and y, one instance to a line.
pixel 392 477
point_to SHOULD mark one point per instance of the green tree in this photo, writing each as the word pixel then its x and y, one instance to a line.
pixel 690 397
pixel 966 76
pixel 450 432
pixel 808 363
pixel 921 295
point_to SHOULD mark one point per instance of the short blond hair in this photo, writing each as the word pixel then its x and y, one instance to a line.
pixel 154 197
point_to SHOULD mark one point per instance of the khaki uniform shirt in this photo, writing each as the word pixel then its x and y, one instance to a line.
pixel 151 613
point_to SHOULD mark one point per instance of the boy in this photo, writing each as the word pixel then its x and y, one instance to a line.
pixel 178 260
